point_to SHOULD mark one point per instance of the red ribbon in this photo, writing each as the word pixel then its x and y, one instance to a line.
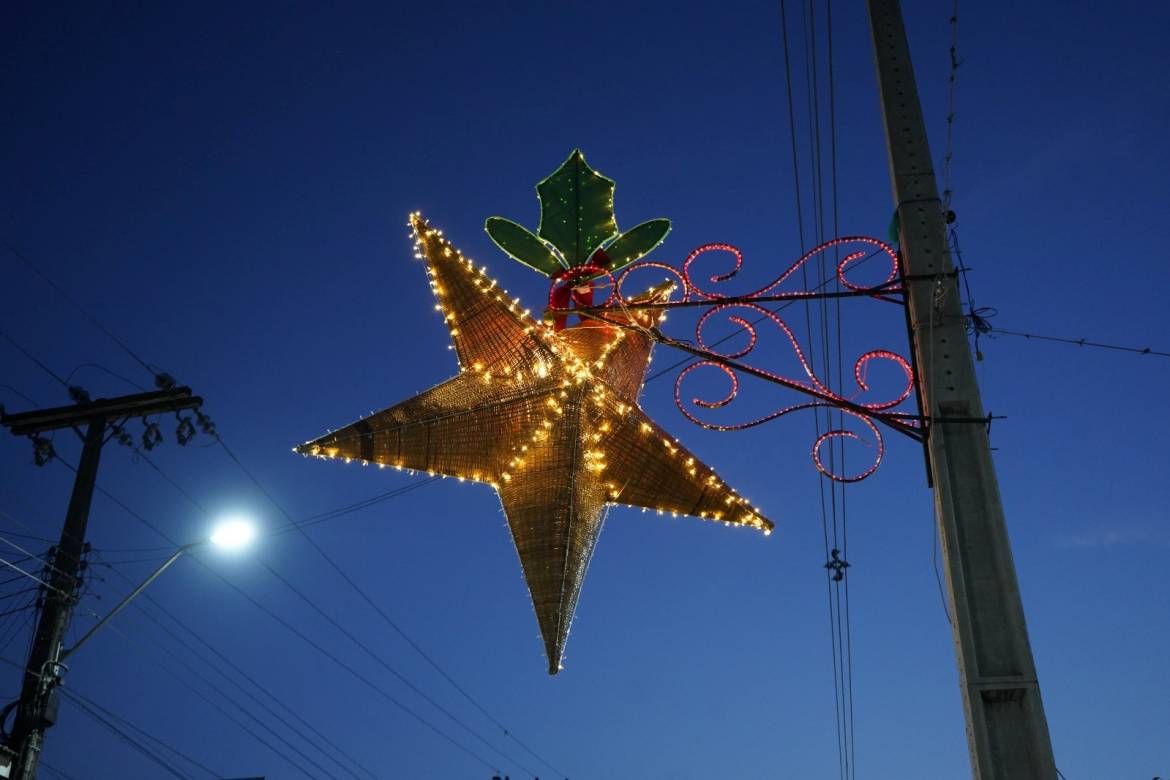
pixel 563 293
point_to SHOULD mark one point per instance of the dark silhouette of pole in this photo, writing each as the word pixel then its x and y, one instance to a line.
pixel 37 709
pixel 38 702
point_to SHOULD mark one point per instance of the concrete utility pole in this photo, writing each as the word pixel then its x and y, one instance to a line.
pixel 1006 729
pixel 37 709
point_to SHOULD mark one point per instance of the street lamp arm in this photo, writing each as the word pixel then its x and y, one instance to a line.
pixel 122 604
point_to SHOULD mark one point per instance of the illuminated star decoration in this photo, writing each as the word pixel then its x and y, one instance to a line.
pixel 550 420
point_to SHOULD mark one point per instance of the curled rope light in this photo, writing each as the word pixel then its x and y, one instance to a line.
pixel 734 311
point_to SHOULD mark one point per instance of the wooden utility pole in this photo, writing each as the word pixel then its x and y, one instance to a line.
pixel 37 709
pixel 1006 729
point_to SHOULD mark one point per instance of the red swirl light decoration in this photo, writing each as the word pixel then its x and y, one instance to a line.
pixel 841 433
pixel 880 290
pixel 809 383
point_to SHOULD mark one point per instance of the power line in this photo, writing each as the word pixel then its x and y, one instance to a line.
pixel 150 559
pixel 84 312
pixel 979 317
pixel 250 679
pixel 10 532
pixel 16 392
pixel 57 772
pixel 114 374
pixel 236 668
pixel 361 677
pixel 369 601
pixel 16 593
pixel 131 741
pixel 26 527
pixel 125 508
pixel 333 514
pixel 10 635
pixel 382 662
pixel 934 544
pixel 808 327
pixel 852 744
pixel 997 331
pixel 34 359
pixel 280 530
pixel 299 634
pixel 792 132
pixel 837 601
pixel 260 722
pixel 75 694
pixel 293 525
pixel 14 611
pixel 31 556
pixel 31 576
pixel 183 681
pixel 305 522
pixel 834 590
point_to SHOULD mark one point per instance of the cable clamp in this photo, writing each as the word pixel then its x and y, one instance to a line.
pixel 837 565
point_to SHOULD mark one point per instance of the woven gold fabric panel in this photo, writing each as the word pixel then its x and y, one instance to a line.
pixel 550 420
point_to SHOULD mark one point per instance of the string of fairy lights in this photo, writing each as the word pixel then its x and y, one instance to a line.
pixel 539 383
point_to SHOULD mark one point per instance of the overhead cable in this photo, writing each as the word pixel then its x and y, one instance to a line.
pixel 997 331
pixel 247 677
pixel 84 312
pixel 296 526
pixel 347 667
pixel 369 601
pixel 34 359
pixel 323 772
pixel 76 694
pixel 306 739
pixel 31 576
pixel 127 738
pixel 382 662
pixel 183 680
pixel 301 635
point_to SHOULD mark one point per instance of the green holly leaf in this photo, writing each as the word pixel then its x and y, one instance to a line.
pixel 576 209
pixel 636 243
pixel 519 244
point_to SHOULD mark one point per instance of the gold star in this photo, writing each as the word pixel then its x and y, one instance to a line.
pixel 550 420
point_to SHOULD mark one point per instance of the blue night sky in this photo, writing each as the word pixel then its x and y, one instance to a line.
pixel 226 186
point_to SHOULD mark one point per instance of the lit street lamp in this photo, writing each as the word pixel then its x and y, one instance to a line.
pixel 231 534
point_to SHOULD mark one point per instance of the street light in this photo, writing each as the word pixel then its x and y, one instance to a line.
pixel 232 533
